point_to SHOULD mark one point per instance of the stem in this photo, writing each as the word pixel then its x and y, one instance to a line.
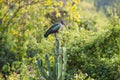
pixel 57 45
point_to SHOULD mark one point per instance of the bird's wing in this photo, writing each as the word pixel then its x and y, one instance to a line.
pixel 52 29
pixel 55 27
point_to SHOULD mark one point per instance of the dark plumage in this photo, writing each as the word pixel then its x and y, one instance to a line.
pixel 53 29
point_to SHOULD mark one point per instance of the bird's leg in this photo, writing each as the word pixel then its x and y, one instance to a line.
pixel 57 44
pixel 55 36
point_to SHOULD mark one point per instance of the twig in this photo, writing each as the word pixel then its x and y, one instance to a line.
pixel 15 13
pixel 13 16
pixel 4 15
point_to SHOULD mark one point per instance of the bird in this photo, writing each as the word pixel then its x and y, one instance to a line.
pixel 54 28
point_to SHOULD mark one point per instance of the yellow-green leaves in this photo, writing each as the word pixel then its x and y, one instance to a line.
pixel 48 2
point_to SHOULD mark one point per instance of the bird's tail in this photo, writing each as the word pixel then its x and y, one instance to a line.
pixel 46 35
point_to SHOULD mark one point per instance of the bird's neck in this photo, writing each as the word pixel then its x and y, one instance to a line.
pixel 61 24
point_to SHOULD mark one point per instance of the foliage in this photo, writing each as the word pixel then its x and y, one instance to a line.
pixel 91 39
pixel 109 8
pixel 88 24
pixel 97 57
pixel 20 23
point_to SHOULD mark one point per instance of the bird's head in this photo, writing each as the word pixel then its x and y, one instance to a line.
pixel 63 23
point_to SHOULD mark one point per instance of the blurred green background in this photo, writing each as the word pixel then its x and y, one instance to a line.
pixel 91 38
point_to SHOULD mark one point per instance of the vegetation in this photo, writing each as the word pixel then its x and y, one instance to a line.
pixel 91 39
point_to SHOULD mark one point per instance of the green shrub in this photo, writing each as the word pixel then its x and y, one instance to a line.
pixel 97 56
